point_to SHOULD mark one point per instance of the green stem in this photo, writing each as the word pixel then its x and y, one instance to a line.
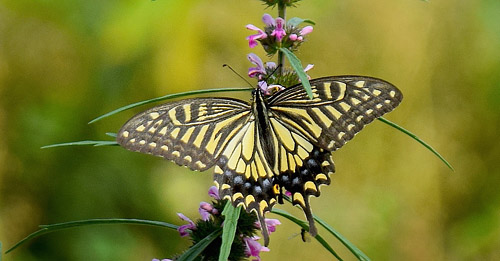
pixel 281 57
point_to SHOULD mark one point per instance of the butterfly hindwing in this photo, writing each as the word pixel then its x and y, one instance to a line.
pixel 190 132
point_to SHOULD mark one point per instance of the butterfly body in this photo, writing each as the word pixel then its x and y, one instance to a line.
pixel 275 143
pixel 260 110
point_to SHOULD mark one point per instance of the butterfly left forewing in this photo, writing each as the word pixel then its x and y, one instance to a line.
pixel 190 132
pixel 205 132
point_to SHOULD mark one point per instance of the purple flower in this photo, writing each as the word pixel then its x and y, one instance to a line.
pixel 182 229
pixel 276 26
pixel 306 30
pixel 279 31
pixel 269 89
pixel 271 224
pixel 271 65
pixel 300 37
pixel 165 259
pixel 213 192
pixel 263 86
pixel 272 37
pixel 206 210
pixel 268 20
pixel 253 248
pixel 260 71
pixel 256 71
pixel 252 39
pixel 308 67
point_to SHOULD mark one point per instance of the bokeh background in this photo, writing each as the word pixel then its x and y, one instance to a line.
pixel 63 63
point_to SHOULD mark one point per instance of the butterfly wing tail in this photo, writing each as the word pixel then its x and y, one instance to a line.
pixel 263 229
pixel 307 211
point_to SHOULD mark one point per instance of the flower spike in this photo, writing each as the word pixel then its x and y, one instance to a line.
pixel 272 37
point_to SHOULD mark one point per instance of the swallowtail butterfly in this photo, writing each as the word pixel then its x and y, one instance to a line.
pixel 276 143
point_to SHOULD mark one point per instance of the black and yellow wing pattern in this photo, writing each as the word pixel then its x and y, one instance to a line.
pixel 259 149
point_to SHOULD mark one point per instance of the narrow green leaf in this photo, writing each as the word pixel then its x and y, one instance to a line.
pixel 297 66
pixel 84 143
pixel 193 252
pixel 60 226
pixel 305 226
pixel 231 216
pixel 356 251
pixel 295 21
pixel 413 136
pixel 168 96
pixel 111 134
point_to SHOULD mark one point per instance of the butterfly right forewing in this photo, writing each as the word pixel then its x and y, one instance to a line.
pixel 340 108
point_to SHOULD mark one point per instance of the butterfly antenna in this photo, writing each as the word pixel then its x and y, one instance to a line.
pixel 239 75
pixel 275 70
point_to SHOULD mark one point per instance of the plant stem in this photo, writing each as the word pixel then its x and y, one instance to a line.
pixel 281 57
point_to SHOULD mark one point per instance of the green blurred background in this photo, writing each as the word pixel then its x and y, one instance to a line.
pixel 63 63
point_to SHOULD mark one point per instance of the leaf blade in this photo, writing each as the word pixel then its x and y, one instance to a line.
pixel 95 143
pixel 354 250
pixel 231 216
pixel 196 250
pixel 45 229
pixel 296 21
pixel 305 226
pixel 165 97
pixel 297 66
pixel 413 136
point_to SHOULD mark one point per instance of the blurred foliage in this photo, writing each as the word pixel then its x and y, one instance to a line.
pixel 62 63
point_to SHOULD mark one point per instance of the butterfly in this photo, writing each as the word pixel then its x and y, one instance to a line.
pixel 276 143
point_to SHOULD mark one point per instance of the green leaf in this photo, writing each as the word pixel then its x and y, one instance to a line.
pixel 169 96
pixel 295 21
pixel 231 216
pixel 356 251
pixel 84 143
pixel 193 252
pixel 111 134
pixel 60 226
pixel 297 66
pixel 413 136
pixel 305 226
